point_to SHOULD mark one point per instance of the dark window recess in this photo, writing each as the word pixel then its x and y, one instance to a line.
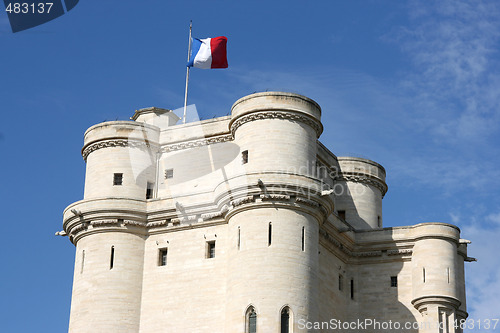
pixel 211 249
pixel 341 214
pixel 379 223
pixel 252 321
pixel 149 190
pixel 244 157
pixel 352 289
pixel 394 281
pixel 162 257
pixel 303 238
pixel 239 237
pixel 341 282
pixel 270 234
pixel 169 173
pixel 118 179
pixel 285 320
pixel 83 261
pixel 112 258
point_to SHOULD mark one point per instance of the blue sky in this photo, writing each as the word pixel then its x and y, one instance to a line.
pixel 413 85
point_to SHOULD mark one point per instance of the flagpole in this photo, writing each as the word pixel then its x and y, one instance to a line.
pixel 187 73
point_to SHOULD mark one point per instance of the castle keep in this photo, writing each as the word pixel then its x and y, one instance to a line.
pixel 247 223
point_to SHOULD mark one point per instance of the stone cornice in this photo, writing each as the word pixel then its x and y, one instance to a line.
pixel 118 142
pixel 400 252
pixel 197 143
pixel 446 301
pixel 103 220
pixel 290 201
pixel 274 197
pixel 286 115
pixel 357 252
pixel 77 230
pixel 364 179
pixel 461 314
pixel 333 241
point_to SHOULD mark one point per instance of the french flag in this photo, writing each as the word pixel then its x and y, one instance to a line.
pixel 208 53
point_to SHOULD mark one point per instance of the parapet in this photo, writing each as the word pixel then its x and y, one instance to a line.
pixel 119 134
pixel 276 105
pixel 361 169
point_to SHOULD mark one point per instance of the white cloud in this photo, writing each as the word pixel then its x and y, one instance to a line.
pixel 448 170
pixel 452 45
pixel 495 218
pixel 455 218
pixel 456 83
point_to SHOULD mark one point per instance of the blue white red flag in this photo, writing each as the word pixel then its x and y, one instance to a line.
pixel 208 53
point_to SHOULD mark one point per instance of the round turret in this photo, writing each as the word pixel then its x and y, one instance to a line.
pixel 120 158
pixel 275 209
pixel 359 188
pixel 434 260
pixel 108 226
pixel 436 276
pixel 277 130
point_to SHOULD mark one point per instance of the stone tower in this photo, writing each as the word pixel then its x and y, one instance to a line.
pixel 246 223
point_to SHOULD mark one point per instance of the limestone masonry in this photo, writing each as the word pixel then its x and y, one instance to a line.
pixel 247 223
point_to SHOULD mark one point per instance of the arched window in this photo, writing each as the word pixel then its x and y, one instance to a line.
pixel 251 320
pixel 285 320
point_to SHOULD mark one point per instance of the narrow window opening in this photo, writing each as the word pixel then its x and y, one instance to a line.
pixel 448 274
pixel 394 281
pixel 149 190
pixel 352 289
pixel 169 173
pixel 341 282
pixel 210 250
pixel 118 179
pixel 162 257
pixel 303 238
pixel 112 258
pixel 251 321
pixel 270 234
pixel 285 320
pixel 423 274
pixel 244 157
pixel 239 237
pixel 83 261
pixel 379 223
pixel 341 214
